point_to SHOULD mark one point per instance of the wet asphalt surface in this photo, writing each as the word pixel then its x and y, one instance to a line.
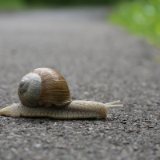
pixel 100 62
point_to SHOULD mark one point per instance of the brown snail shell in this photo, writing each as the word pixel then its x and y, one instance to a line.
pixel 44 87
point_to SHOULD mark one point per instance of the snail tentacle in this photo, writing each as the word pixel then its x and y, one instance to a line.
pixel 114 104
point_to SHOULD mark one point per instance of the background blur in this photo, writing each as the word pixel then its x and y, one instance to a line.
pixel 141 17
pixel 52 3
pixel 87 43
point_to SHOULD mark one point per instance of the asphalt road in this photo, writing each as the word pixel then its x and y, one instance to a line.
pixel 100 62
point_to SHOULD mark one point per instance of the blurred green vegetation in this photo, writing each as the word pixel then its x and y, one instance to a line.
pixel 140 17
pixel 67 2
pixel 12 4
pixel 18 4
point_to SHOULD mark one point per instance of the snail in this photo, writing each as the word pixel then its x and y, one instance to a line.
pixel 45 93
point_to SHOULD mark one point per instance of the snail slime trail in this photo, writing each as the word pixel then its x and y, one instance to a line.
pixel 45 93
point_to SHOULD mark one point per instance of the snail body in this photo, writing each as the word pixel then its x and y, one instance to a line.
pixel 44 93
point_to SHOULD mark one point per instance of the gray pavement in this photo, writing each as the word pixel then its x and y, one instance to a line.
pixel 100 62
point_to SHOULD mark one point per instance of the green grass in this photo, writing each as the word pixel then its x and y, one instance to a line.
pixel 139 17
pixel 12 4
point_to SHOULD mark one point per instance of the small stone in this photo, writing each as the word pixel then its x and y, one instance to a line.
pixel 37 145
pixel 135 147
pixel 125 142
pixel 86 93
pixel 124 121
